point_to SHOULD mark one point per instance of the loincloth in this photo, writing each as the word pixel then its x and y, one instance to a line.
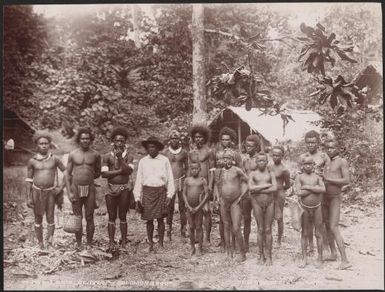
pixel 116 190
pixel 154 203
pixel 326 200
pixel 40 199
pixel 82 191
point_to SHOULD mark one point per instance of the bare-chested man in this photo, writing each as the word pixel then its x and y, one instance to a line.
pixel 84 165
pixel 226 137
pixel 228 181
pixel 117 168
pixel 312 140
pixel 202 153
pixel 195 195
pixel 43 186
pixel 336 175
pixel 310 187
pixel 262 186
pixel 179 163
pixel 249 164
pixel 282 176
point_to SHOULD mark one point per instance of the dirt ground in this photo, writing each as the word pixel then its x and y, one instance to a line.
pixel 173 268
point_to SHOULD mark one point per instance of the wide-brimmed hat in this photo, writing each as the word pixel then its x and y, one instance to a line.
pixel 153 140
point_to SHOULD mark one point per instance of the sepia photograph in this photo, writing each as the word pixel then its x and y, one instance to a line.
pixel 193 146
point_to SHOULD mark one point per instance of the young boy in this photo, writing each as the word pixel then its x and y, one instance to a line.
pixel 42 189
pixel 282 176
pixel 194 188
pixel 336 176
pixel 309 187
pixel 262 185
pixel 229 184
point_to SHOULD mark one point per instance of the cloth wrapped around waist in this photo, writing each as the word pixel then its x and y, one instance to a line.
pixel 116 189
pixel 82 191
pixel 154 202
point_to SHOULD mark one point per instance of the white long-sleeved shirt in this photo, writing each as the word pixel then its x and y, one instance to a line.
pixel 154 172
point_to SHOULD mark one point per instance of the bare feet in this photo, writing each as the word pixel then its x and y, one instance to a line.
pixel 311 249
pixel 199 252
pixel 302 264
pixel 246 247
pixel 330 258
pixel 151 248
pixel 169 235
pixel 344 266
pixel 193 251
pixel 261 260
pixel 41 245
pixel 268 262
pixel 222 247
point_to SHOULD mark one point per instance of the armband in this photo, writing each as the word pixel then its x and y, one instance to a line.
pixel 131 165
pixel 212 169
pixel 29 180
pixel 105 168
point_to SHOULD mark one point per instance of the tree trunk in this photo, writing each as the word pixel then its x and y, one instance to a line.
pixel 199 78
pixel 135 24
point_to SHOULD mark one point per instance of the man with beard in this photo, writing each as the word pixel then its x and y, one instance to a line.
pixel 202 154
pixel 117 168
pixel 178 158
pixel 84 165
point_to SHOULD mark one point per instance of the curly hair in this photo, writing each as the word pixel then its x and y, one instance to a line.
pixel 41 134
pixel 122 131
pixel 229 132
pixel 254 138
pixel 201 129
pixel 84 131
pixel 279 147
pixel 312 134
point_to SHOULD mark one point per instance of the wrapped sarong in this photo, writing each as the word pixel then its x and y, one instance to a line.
pixel 154 203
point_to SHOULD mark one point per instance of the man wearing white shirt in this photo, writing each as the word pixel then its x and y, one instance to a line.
pixel 154 188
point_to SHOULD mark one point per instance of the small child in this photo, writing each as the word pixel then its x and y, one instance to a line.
pixel 309 187
pixel 194 189
pixel 262 186
pixel 229 185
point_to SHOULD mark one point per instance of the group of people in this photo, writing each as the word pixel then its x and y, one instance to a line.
pixel 203 179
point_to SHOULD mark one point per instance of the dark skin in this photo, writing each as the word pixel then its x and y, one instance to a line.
pixel 282 176
pixel 262 186
pixel 84 165
pixel 249 165
pixel 336 175
pixel 43 174
pixel 120 173
pixel 226 143
pixel 153 151
pixel 230 198
pixel 320 160
pixel 310 187
pixel 195 195
pixel 179 165
pixel 204 156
